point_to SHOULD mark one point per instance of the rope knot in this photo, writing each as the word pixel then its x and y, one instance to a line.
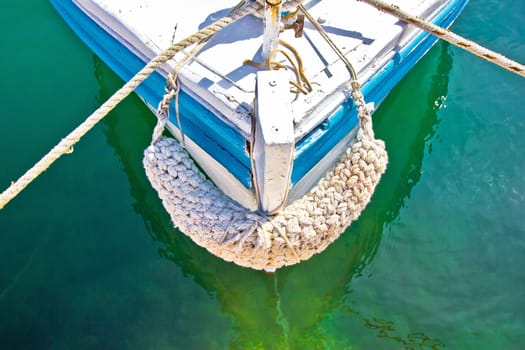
pixel 171 90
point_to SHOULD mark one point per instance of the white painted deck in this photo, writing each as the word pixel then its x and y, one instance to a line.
pixel 218 77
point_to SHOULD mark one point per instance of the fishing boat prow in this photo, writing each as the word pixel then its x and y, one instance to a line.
pixel 272 152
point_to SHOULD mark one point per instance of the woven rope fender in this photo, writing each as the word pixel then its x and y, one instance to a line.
pixel 305 227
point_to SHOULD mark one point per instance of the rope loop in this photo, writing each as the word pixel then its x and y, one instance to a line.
pixel 302 83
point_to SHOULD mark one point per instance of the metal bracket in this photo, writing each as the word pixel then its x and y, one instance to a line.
pixel 297 26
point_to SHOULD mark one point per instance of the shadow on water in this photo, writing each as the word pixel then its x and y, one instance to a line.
pixel 407 121
pixel 290 309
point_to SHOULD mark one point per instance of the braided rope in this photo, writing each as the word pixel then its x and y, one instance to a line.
pixel 449 36
pixel 65 146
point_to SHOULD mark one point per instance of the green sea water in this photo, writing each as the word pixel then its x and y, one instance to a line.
pixel 90 260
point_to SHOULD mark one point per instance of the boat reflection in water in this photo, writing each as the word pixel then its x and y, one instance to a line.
pixel 295 307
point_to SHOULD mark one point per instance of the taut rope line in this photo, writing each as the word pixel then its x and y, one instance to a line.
pixel 67 143
pixel 449 36
pixel 329 41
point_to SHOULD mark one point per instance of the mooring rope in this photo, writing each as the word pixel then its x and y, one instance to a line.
pixel 447 35
pixel 65 146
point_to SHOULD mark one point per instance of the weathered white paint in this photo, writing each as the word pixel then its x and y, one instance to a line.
pixel 273 140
